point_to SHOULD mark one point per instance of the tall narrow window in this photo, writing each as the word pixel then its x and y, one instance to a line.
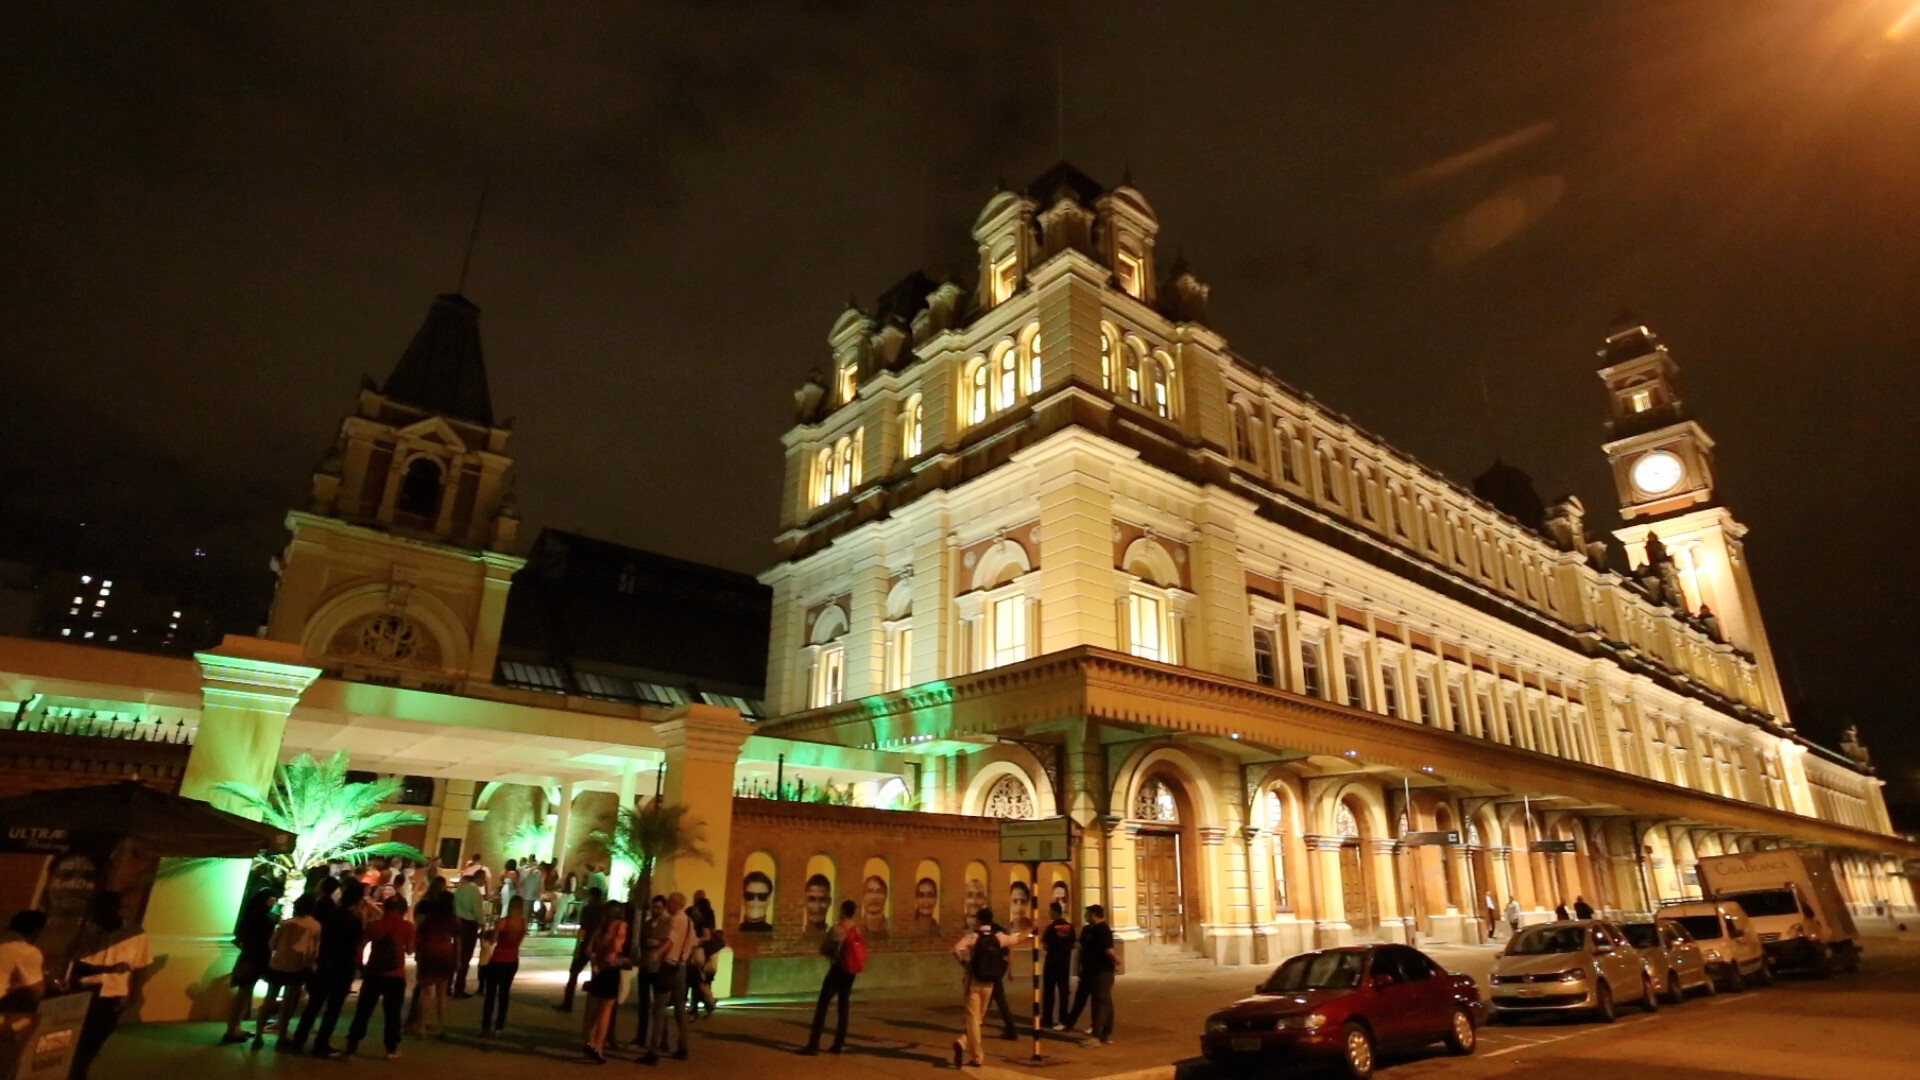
pixel 829 676
pixel 1390 690
pixel 823 476
pixel 1033 362
pixel 1487 721
pixel 912 425
pixel 1424 688
pixel 1133 383
pixel 1127 270
pixel 1310 670
pixel 977 392
pixel 1356 682
pixel 1009 389
pixel 1263 658
pixel 1277 846
pixel 1146 639
pixel 1162 402
pixel 420 489
pixel 1006 277
pixel 1283 447
pixel 1457 704
pixel 1328 491
pixel 1106 362
pixel 1363 493
pixel 1009 630
pixel 903 649
pixel 849 382
pixel 1242 433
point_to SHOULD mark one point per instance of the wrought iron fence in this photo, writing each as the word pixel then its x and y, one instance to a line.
pixel 61 720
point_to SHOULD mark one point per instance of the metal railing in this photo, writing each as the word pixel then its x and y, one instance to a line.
pixel 132 727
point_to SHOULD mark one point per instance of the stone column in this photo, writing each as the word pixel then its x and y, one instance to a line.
pixel 1386 887
pixel 702 743
pixel 493 611
pixel 247 688
pixel 1122 902
pixel 456 817
pixel 1330 926
pixel 564 822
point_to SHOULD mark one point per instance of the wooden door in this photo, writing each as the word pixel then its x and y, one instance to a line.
pixel 1353 889
pixel 1157 887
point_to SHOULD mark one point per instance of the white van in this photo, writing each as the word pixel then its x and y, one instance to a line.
pixel 1726 938
pixel 1792 902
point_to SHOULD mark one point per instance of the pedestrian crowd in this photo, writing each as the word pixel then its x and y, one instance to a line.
pixel 106 955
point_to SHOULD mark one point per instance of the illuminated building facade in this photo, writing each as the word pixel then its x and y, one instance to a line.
pixel 1055 542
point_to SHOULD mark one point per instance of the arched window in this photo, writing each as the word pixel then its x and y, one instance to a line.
pixel 1007 386
pixel 843 470
pixel 1277 849
pixel 1242 433
pixel 420 489
pixel 1329 491
pixel 1155 803
pixel 1008 798
pixel 1363 492
pixel 823 476
pixel 1033 358
pixel 1263 657
pixel 912 427
pixel 1283 448
pixel 1344 823
pixel 1133 383
pixel 1109 346
pixel 976 383
pixel 1310 669
pixel 1160 377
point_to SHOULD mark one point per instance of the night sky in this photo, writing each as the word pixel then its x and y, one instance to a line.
pixel 216 220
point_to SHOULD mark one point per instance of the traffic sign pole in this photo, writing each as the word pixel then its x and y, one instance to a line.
pixel 1033 875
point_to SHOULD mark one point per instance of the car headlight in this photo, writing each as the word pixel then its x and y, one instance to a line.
pixel 1309 1022
pixel 1572 976
pixel 1713 954
pixel 1216 1026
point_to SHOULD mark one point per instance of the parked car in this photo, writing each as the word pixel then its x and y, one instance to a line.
pixel 1347 1005
pixel 1794 903
pixel 1583 965
pixel 1677 962
pixel 1726 938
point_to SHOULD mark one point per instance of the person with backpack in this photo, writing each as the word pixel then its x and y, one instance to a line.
pixel 846 952
pixel 1057 943
pixel 983 952
pixel 389 940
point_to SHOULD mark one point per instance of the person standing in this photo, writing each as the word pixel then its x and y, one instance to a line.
pixel 608 955
pixel 23 967
pixel 983 952
pixel 111 950
pixel 1057 942
pixel 1560 912
pixel 296 942
pixel 1582 909
pixel 1098 962
pixel 1513 916
pixel 649 935
pixel 254 938
pixel 846 953
pixel 705 925
pixel 502 966
pixel 436 957
pixel 341 935
pixel 1493 916
pixel 590 916
pixel 532 884
pixel 678 945
pixel 389 940
pixel 596 878
pixel 468 899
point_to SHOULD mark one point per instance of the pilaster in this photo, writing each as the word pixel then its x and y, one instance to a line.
pixel 702 743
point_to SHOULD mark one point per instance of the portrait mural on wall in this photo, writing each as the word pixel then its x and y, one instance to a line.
pixel 1059 892
pixel 976 892
pixel 1019 906
pixel 876 909
pixel 756 902
pixel 819 903
pixel 926 899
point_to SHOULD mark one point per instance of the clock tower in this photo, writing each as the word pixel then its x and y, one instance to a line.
pixel 1663 470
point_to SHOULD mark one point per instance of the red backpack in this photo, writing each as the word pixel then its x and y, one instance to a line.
pixel 853 952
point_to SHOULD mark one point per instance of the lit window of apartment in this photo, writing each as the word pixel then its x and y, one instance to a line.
pixel 1009 627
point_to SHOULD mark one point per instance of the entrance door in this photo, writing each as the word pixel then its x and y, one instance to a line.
pixel 1157 887
pixel 1353 889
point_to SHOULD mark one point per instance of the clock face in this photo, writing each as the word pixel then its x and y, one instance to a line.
pixel 1657 473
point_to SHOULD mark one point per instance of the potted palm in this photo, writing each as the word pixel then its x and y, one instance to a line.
pixel 643 839
pixel 331 819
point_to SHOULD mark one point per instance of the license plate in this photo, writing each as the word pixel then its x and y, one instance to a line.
pixel 1531 991
pixel 1245 1045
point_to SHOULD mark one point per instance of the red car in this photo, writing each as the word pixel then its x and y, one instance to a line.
pixel 1347 1004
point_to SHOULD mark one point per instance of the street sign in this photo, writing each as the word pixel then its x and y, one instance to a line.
pixel 1552 847
pixel 1047 840
pixel 1449 838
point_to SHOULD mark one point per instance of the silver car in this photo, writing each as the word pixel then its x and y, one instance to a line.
pixel 1676 959
pixel 1582 966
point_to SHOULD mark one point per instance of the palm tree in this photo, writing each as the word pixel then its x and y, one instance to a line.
pixel 330 819
pixel 642 840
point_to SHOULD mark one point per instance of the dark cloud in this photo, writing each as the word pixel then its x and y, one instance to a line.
pixel 219 217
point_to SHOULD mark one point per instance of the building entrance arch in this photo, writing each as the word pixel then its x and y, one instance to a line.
pixel 1163 815
pixel 1359 893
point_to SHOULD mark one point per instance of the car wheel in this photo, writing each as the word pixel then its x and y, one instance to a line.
pixel 1852 962
pixel 1709 985
pixel 1675 994
pixel 1603 1010
pixel 1461 1038
pixel 1736 982
pixel 1357 1045
pixel 1764 975
pixel 1822 963
pixel 1649 1001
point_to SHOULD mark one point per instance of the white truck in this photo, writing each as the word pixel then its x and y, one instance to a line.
pixel 1792 902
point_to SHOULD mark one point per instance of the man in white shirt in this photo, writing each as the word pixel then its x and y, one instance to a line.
pixel 23 977
pixel 111 950
pixel 467 900
pixel 675 950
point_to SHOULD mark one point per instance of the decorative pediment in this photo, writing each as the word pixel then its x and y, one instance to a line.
pixel 435 430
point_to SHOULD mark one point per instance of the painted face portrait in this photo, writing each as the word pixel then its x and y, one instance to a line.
pixel 1060 895
pixel 926 901
pixel 819 899
pixel 756 902
pixel 1020 906
pixel 873 906
pixel 976 896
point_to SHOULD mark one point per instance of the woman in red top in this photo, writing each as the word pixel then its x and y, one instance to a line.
pixel 436 957
pixel 609 955
pixel 497 977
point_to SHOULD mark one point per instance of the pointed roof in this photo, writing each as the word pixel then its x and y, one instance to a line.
pixel 442 371
pixel 1065 181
